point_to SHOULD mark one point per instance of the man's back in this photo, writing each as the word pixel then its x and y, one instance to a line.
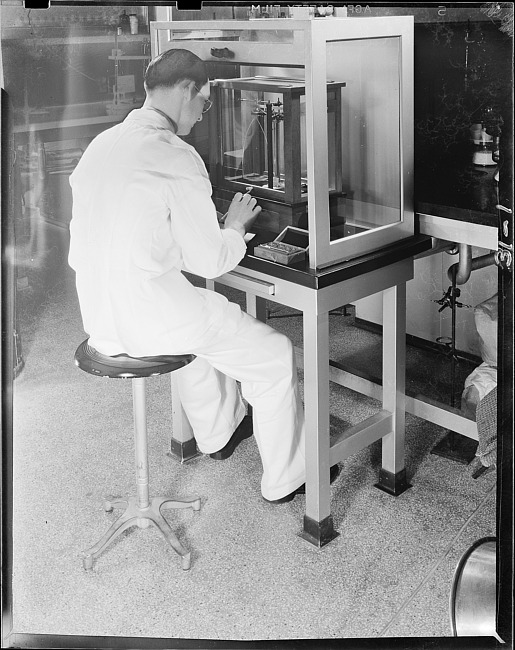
pixel 142 212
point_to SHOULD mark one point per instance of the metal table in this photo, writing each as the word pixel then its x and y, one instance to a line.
pixel 315 294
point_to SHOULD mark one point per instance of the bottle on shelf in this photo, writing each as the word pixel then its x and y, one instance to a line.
pixel 134 23
pixel 124 24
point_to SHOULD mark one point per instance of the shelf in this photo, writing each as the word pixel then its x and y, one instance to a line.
pixel 62 124
pixel 130 57
pixel 86 120
pixel 24 33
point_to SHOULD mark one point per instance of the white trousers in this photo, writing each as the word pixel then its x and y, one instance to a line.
pixel 246 350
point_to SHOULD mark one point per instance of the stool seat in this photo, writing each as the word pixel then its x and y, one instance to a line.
pixel 122 366
pixel 139 510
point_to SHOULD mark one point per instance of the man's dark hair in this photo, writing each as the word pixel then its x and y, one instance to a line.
pixel 172 67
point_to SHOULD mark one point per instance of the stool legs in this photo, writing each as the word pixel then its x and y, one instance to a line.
pixel 140 510
pixel 139 409
pixel 182 443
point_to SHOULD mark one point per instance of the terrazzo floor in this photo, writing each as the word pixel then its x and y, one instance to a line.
pixel 387 575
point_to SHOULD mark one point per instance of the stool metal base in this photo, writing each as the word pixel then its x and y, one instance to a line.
pixel 134 515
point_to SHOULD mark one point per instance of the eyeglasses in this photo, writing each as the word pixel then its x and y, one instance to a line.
pixel 207 102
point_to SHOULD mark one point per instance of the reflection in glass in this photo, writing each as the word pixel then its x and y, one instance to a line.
pixel 371 124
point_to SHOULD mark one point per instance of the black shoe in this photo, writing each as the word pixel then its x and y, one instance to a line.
pixel 243 431
pixel 333 475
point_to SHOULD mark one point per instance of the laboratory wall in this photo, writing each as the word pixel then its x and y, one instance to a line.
pixel 424 319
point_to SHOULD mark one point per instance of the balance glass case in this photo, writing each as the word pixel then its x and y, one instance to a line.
pixel 316 117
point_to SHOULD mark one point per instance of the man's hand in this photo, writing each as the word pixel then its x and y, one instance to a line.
pixel 242 213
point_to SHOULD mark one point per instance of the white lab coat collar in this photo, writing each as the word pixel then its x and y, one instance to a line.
pixel 149 117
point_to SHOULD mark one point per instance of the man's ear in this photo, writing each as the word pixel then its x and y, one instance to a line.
pixel 188 90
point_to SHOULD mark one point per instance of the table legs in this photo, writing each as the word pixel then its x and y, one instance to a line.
pixel 256 306
pixel 182 442
pixel 392 477
pixel 318 523
pixel 318 526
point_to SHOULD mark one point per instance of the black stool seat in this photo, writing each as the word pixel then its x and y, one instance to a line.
pixel 123 366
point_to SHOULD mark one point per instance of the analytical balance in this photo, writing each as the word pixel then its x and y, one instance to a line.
pixel 262 144
pixel 316 116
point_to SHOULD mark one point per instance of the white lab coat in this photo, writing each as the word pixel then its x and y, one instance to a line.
pixel 143 214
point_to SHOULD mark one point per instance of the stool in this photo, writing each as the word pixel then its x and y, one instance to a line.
pixel 139 510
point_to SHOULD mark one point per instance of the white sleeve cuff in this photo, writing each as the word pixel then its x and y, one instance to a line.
pixel 235 242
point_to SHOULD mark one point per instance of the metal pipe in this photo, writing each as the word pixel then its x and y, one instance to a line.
pixel 438 246
pixel 462 269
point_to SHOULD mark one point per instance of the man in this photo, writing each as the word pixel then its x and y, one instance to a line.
pixel 143 215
